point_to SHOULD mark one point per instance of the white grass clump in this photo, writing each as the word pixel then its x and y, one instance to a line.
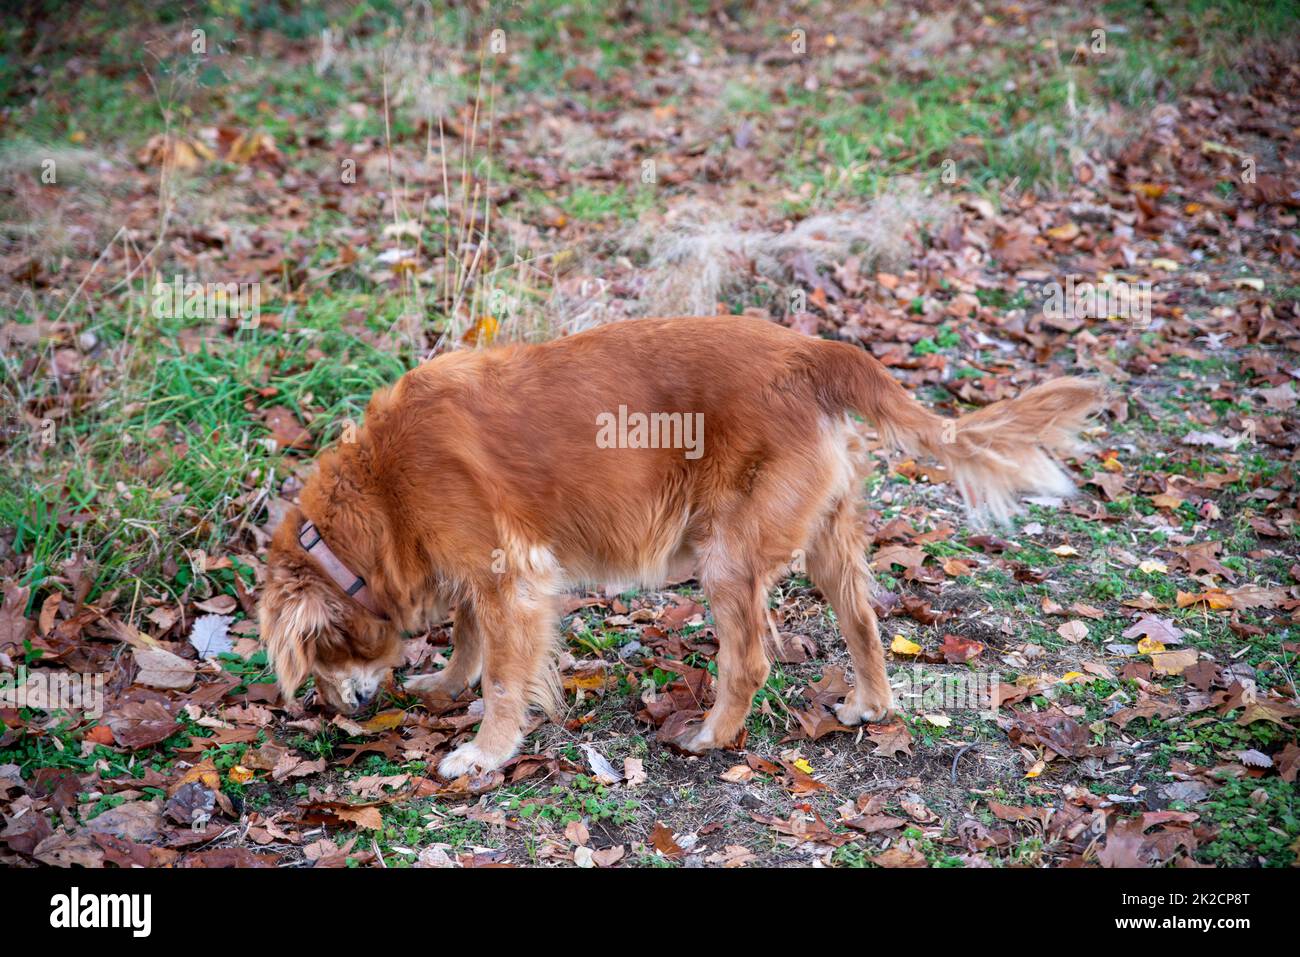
pixel 705 255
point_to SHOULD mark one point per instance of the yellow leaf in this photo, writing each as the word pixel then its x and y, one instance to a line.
pixel 901 646
pixel 1173 662
pixel 183 155
pixel 1168 265
pixel 1215 599
pixel 1036 770
pixel 482 332
pixel 1150 566
pixel 384 721
pixel 803 765
pixel 1149 646
pixel 1071 676
pixel 1064 232
pixel 240 774
pixel 938 720
pixel 205 773
pixel 1065 551
pixel 588 682
pixel 202 150
pixel 247 146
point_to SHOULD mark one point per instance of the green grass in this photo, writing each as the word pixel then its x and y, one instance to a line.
pixel 410 826
pixel 1151 61
pixel 936 855
pixel 909 127
pixel 584 799
pixel 181 428
pixel 1258 821
pixel 620 203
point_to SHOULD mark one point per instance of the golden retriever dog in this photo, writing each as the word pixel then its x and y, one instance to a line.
pixel 490 481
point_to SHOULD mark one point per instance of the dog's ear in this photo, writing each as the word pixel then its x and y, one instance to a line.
pixel 292 616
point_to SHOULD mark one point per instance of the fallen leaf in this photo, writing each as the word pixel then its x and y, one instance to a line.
pixel 634 772
pixel 161 669
pixel 363 817
pixel 901 646
pixel 957 649
pixel 286 431
pixel 663 840
pixel 891 740
pixel 601 769
pixel 1173 662
pixel 210 636
pixel 1073 631
pixel 1159 630
pixel 217 605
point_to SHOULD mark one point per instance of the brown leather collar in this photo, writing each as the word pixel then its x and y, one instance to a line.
pixel 353 585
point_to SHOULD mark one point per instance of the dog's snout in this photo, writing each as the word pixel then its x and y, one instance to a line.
pixel 353 693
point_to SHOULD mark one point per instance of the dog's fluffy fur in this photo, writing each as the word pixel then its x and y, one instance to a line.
pixel 477 483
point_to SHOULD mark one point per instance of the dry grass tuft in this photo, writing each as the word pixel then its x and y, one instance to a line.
pixel 45 221
pixel 705 255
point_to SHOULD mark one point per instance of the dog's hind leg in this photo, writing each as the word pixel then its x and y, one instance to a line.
pixel 462 671
pixel 837 564
pixel 517 627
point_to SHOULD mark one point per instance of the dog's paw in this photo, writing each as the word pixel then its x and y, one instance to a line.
pixel 435 684
pixel 468 759
pixel 701 738
pixel 696 740
pixel 423 684
pixel 851 713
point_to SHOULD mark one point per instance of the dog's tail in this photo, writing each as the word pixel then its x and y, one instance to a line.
pixel 994 454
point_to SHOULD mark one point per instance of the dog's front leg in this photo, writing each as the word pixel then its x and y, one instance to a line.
pixel 462 671
pixel 516 628
pixel 739 603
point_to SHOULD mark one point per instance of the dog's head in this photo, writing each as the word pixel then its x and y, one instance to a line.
pixel 311 628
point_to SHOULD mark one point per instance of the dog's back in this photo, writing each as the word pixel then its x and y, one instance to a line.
pixel 620 446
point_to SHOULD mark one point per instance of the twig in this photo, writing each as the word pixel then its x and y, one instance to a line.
pixel 957 757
